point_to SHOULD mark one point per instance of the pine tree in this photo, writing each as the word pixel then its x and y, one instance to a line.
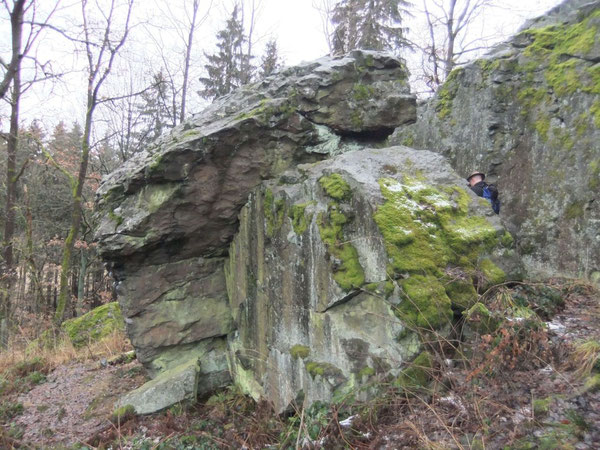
pixel 230 67
pixel 368 24
pixel 271 62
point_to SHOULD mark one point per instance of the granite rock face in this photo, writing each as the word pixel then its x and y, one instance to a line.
pixel 270 242
pixel 528 114
pixel 335 270
pixel 168 216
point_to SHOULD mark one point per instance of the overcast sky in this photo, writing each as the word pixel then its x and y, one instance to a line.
pixel 296 25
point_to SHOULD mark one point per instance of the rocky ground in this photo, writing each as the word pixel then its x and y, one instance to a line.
pixel 521 386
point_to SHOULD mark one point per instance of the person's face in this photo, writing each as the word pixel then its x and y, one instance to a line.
pixel 475 179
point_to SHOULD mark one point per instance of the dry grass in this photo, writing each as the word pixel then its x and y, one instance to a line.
pixel 20 351
pixel 586 356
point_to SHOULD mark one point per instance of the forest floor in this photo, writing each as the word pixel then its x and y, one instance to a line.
pixel 530 382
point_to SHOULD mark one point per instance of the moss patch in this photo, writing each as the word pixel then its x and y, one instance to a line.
pixel 481 319
pixel 335 187
pixel 122 414
pixel 446 94
pixel 556 47
pixel 274 212
pixel 418 374
pixel 425 303
pixel 299 351
pixel 96 324
pixel 299 218
pixel 347 271
pixel 574 210
pixel 322 368
pixel 426 231
pixel 492 274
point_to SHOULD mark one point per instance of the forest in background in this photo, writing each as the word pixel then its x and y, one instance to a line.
pixel 51 167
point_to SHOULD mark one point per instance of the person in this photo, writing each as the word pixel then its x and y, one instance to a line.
pixel 485 190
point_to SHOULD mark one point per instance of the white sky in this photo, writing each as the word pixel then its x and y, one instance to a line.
pixel 296 25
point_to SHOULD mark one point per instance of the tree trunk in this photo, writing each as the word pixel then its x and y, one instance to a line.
pixel 188 55
pixel 8 274
pixel 81 283
pixel 63 301
pixel 449 63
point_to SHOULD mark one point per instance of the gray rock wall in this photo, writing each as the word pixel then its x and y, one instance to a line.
pixel 528 115
pixel 323 297
pixel 168 215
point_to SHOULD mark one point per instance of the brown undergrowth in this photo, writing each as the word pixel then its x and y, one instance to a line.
pixel 514 374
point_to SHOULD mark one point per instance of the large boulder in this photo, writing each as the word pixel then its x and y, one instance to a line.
pixel 338 267
pixel 528 114
pixel 168 215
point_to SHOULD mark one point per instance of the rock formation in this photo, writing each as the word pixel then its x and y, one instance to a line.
pixel 238 255
pixel 528 114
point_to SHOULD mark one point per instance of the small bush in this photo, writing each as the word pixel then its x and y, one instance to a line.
pixel 122 414
pixel 9 410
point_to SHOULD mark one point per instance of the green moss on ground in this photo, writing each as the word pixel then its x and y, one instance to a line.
pixel 94 325
pixel 541 406
pixel 574 210
pixel 481 319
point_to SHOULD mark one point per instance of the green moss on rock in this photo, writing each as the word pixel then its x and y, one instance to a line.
pixel 299 218
pixel 96 324
pixel 425 303
pixel 335 187
pixel 446 94
pixel 492 274
pixel 299 351
pixel 366 372
pixel 418 374
pixel 274 212
pixel 462 292
pixel 348 272
pixel 321 368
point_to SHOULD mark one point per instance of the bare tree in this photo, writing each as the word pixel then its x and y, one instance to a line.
pixel 325 9
pixel 177 75
pixel 101 54
pixel 16 27
pixel 21 49
pixel 448 22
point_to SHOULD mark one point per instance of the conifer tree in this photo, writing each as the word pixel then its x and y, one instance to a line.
pixel 230 66
pixel 368 24
pixel 271 61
